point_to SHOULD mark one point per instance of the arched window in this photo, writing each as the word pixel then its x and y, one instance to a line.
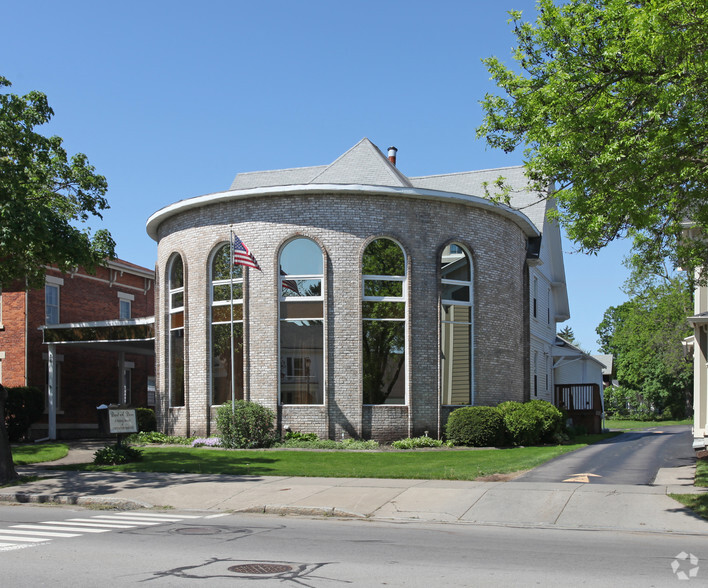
pixel 384 323
pixel 301 323
pixel 176 342
pixel 456 345
pixel 226 352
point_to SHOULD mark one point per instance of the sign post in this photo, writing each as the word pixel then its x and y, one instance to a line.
pixel 122 421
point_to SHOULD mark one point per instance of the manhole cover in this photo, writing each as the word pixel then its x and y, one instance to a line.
pixel 197 531
pixel 260 568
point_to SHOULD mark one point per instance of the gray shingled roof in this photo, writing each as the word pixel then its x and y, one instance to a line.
pixel 362 164
pixel 365 164
pixel 472 183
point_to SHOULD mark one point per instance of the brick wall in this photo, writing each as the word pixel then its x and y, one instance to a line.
pixel 343 225
pixel 88 378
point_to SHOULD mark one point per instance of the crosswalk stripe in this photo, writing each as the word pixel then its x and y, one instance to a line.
pixel 124 520
pixel 13 546
pixel 142 520
pixel 18 538
pixel 50 528
pixel 15 530
pixel 158 516
pixel 83 526
pixel 26 535
pixel 113 525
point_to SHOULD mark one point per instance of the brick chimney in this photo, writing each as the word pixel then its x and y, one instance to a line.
pixel 392 155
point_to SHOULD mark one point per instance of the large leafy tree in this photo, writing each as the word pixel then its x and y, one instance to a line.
pixel 645 336
pixel 609 100
pixel 46 199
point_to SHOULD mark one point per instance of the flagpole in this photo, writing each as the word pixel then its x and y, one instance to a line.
pixel 231 308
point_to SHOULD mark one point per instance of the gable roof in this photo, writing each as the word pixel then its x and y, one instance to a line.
pixel 363 164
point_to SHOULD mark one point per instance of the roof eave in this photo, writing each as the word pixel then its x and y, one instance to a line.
pixel 157 218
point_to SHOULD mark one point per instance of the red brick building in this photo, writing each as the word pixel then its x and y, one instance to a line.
pixel 91 368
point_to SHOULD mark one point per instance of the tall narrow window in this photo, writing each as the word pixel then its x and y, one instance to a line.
pixel 301 323
pixel 51 304
pixel 176 343
pixel 226 298
pixel 456 345
pixel 535 297
pixel 535 373
pixel 384 323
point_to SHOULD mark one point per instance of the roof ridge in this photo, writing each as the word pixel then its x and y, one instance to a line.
pixel 472 171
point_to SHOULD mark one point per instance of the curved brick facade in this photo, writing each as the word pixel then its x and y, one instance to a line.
pixel 343 223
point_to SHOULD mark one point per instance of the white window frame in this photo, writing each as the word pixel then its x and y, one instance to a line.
pixel 125 300
pixel 283 358
pixel 402 298
pixel 237 281
pixel 470 302
pixel 174 310
pixel 47 306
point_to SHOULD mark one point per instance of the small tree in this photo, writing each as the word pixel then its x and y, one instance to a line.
pixel 45 197
pixel 246 425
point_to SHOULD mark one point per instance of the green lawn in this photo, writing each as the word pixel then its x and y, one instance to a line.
pixel 450 464
pixel 697 502
pixel 622 424
pixel 37 453
pixel 701 473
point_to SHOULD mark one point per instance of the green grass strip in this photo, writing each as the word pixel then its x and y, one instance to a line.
pixel 459 464
pixel 698 503
pixel 37 453
pixel 630 425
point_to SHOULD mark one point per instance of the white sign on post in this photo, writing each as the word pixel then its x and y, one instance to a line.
pixel 122 420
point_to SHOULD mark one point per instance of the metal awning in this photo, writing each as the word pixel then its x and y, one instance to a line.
pixel 135 336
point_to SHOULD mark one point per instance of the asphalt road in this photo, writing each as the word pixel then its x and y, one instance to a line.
pixel 190 548
pixel 631 458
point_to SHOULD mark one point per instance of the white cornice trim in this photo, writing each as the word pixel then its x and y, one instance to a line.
pixel 165 213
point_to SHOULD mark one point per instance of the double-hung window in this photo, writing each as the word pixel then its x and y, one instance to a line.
pixel 300 293
pixel 176 340
pixel 226 306
pixel 384 323
pixel 456 345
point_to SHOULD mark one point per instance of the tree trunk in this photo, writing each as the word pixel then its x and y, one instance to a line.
pixel 7 467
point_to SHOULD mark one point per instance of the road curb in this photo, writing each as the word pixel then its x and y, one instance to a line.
pixel 316 511
pixel 106 501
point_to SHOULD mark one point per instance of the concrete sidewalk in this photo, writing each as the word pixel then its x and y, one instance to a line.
pixel 563 505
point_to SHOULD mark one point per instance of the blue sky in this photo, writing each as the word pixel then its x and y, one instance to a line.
pixel 170 100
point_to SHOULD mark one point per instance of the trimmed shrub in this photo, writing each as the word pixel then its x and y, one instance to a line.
pixel 248 426
pixel 475 426
pixel 116 454
pixel 146 420
pixel 297 436
pixel 532 423
pixel 415 442
pixel 24 406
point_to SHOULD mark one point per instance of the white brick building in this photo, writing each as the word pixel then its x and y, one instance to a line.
pixel 383 301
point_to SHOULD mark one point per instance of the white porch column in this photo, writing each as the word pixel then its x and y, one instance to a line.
pixel 700 371
pixel 121 378
pixel 52 392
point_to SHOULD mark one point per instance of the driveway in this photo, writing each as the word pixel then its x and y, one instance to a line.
pixel 632 458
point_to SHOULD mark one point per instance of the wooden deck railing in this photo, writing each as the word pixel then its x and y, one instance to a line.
pixel 583 404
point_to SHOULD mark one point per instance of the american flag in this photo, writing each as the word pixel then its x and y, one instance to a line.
pixel 242 256
pixel 289 284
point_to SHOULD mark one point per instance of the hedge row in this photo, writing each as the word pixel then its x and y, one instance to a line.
pixel 510 423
